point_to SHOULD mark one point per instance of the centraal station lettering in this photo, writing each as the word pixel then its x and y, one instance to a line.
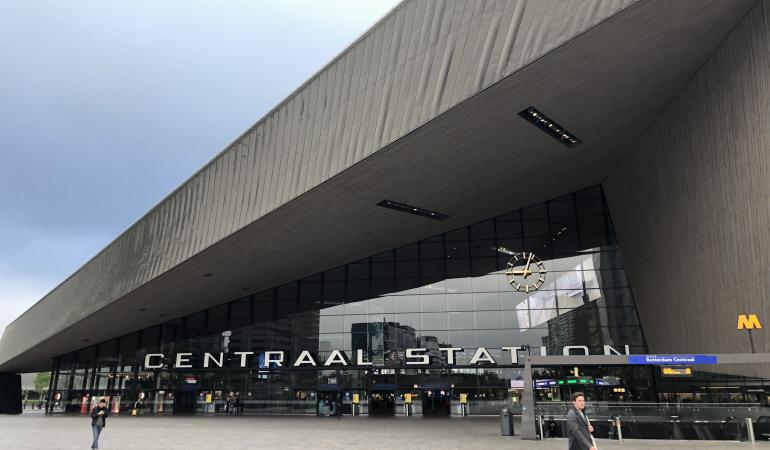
pixel 337 358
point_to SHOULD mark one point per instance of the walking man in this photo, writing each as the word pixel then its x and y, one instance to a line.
pixel 99 420
pixel 579 428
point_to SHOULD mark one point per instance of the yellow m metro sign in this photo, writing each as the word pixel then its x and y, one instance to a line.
pixel 748 322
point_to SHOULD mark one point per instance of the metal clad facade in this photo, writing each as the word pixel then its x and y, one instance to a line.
pixel 423 58
pixel 706 208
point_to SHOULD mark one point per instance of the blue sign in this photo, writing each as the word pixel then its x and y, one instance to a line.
pixel 544 383
pixel 608 380
pixel 672 359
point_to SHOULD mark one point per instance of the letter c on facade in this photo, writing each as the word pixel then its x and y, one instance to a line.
pixel 149 356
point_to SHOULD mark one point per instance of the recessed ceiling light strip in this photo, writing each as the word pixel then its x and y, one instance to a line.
pixel 553 129
pixel 403 207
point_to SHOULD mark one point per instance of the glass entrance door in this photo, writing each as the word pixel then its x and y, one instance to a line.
pixel 329 403
pixel 184 402
pixel 382 403
pixel 435 403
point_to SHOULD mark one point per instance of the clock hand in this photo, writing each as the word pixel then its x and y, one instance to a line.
pixel 526 267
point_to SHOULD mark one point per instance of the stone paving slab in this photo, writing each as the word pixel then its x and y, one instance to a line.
pixel 34 431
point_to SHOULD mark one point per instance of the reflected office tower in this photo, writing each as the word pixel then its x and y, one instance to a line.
pixel 432 344
pixel 384 342
pixel 574 327
pixel 305 330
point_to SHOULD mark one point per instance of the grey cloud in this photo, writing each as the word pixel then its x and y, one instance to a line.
pixel 108 106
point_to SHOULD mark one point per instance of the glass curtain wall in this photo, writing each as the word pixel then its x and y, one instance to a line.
pixel 469 288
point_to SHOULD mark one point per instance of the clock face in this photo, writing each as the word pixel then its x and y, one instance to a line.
pixel 525 272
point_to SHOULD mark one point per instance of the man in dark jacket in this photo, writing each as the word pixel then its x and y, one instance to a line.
pixel 579 429
pixel 99 420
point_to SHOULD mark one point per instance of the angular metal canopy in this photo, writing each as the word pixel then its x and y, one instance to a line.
pixel 423 109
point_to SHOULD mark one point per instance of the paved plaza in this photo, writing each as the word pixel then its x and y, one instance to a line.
pixel 35 431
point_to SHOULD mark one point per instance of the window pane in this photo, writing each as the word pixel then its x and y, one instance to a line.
pixel 461 320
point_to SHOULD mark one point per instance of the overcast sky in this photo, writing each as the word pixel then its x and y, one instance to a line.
pixel 106 106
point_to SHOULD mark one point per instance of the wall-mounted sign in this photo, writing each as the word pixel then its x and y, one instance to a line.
pixel 545 384
pixel 672 359
pixel 190 380
pixel 676 371
pixel 608 380
pixel 413 357
pixel 749 322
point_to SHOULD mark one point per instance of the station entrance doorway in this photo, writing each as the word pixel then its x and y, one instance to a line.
pixel 328 402
pixel 435 403
pixel 382 403
pixel 184 402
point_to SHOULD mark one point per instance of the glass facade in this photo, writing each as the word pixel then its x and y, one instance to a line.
pixel 477 286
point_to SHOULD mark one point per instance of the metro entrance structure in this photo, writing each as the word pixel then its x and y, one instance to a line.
pixel 467 185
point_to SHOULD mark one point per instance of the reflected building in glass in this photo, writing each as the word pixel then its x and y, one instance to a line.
pixel 454 290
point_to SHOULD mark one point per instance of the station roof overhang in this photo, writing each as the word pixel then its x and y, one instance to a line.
pixel 475 161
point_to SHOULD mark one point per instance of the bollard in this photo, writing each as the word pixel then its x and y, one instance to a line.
pixel 750 429
pixel 506 422
pixel 620 431
pixel 540 424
